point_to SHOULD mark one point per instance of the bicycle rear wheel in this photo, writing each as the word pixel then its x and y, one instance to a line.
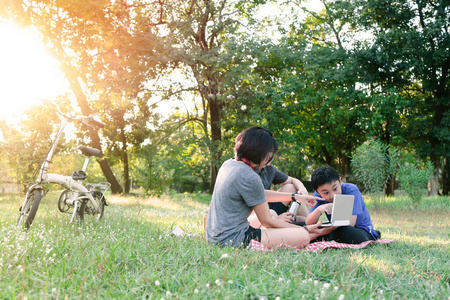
pixel 88 209
pixel 29 208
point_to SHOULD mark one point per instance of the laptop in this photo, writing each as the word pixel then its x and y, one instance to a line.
pixel 342 211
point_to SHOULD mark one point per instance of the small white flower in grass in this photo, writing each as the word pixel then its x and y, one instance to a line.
pixel 218 282
pixel 280 279
pixel 316 282
pixel 230 281
pixel 243 107
pixel 207 285
pixel 341 297
pixel 326 286
pixel 168 293
pixel 54 291
pixel 225 255
pixel 322 293
pixel 277 298
pixel 335 288
pixel 157 283
pixel 195 291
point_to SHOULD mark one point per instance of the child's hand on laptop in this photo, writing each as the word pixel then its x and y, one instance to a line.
pixel 326 208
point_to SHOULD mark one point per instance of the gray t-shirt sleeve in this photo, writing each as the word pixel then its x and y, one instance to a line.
pixel 238 188
pixel 271 175
pixel 279 177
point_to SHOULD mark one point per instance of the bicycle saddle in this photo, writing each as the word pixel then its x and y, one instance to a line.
pixel 90 151
pixel 79 175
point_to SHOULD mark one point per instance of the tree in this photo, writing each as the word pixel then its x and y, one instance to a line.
pixel 57 22
pixel 196 36
pixel 410 53
pixel 315 104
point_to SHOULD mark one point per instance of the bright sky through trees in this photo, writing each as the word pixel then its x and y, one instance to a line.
pixel 28 72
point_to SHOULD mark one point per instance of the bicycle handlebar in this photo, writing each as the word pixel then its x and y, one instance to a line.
pixel 96 123
pixel 85 120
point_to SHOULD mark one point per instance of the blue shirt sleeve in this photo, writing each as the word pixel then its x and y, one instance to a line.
pixel 319 203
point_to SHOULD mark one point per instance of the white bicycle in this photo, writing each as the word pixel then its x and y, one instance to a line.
pixel 77 199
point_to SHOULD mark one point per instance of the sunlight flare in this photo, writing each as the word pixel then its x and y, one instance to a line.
pixel 28 72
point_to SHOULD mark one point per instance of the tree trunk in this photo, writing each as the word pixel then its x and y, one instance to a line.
pixel 446 176
pixel 95 139
pixel 433 187
pixel 126 174
pixel 389 188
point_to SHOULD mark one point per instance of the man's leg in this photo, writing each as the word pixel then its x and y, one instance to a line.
pixel 295 237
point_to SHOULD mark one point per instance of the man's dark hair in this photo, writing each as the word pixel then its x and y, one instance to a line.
pixel 254 144
pixel 323 175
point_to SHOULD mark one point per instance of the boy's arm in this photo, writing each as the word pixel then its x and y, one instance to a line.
pixel 353 220
pixel 314 216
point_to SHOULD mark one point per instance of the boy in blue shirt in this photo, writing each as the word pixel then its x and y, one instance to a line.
pixel 326 183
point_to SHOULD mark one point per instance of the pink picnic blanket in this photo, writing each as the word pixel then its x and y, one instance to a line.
pixel 316 247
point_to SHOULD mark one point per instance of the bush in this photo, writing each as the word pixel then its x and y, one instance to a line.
pixel 373 164
pixel 414 179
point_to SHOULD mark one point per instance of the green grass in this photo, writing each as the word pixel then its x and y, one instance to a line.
pixel 130 254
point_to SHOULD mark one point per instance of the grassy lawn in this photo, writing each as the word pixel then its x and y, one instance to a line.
pixel 130 254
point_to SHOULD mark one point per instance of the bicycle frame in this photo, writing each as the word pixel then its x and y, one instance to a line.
pixel 80 192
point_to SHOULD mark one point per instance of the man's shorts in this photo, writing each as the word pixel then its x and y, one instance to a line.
pixel 251 234
pixel 278 207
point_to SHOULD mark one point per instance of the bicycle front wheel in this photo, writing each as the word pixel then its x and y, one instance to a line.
pixel 88 209
pixel 29 208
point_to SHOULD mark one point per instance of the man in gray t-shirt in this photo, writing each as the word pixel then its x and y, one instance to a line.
pixel 238 189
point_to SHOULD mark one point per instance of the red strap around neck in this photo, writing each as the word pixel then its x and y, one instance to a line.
pixel 245 161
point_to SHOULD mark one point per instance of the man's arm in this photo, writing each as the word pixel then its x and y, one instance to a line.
pixel 263 214
pixel 275 196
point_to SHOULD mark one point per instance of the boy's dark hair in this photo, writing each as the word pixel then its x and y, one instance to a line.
pixel 254 144
pixel 323 175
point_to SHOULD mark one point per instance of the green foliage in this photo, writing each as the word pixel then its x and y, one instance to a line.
pixel 172 161
pixel 355 68
pixel 150 172
pixel 411 57
pixel 373 164
pixel 414 178
pixel 26 144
